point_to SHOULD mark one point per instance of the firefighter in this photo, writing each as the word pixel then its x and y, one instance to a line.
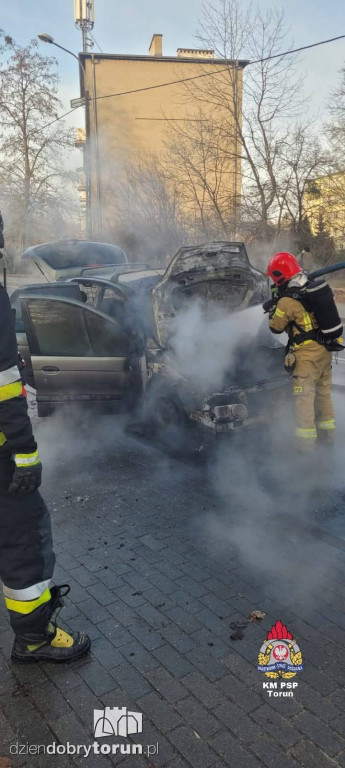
pixel 26 552
pixel 309 354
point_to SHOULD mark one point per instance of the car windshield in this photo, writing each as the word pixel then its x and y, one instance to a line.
pixel 67 255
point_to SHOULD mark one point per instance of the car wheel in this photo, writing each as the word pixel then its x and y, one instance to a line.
pixel 165 418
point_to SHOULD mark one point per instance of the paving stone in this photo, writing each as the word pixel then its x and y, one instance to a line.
pixel 208 665
pixel 130 680
pixel 338 699
pixel 194 749
pixel 97 678
pixel 146 635
pixel 228 748
pixel 49 701
pixel 123 613
pixel 202 721
pixel 210 695
pixel 130 596
pixel 178 639
pixel 271 755
pixel 183 619
pixel 139 657
pixel 114 632
pixel 192 587
pixel 155 618
pixel 93 610
pixel 100 593
pixel 235 690
pixel 214 645
pixel 238 722
pixel 320 733
pixel 309 755
pixel 137 581
pixel 284 731
pixel 106 653
pixel 316 703
pixel 84 577
pixel 191 605
pixel 83 701
pixel 160 713
pixel 170 688
pixel 172 660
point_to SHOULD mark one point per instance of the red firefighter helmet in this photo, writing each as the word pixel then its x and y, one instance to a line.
pixel 282 267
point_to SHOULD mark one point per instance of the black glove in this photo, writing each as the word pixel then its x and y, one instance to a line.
pixel 27 475
pixel 269 305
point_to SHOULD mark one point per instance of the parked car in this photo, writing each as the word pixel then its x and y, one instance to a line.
pixel 110 341
pixel 66 258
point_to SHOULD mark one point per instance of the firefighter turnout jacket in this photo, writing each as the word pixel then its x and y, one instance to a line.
pixel 312 375
pixel 26 553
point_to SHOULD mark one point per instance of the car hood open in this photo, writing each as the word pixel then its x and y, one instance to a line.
pixel 217 275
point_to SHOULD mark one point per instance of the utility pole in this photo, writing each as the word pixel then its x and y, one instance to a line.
pixel 84 18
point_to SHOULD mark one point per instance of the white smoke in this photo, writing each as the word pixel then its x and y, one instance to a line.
pixel 204 350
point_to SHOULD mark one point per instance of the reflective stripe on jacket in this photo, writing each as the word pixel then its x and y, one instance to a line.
pixel 288 312
pixel 15 426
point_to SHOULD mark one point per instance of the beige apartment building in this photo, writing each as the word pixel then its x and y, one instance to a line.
pixel 132 102
pixel 324 200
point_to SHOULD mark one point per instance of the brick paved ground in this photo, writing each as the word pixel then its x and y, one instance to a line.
pixel 157 597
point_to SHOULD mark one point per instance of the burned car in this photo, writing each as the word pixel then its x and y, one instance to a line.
pixel 186 346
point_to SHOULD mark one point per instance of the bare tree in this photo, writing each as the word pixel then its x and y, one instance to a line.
pixel 32 142
pixel 143 211
pixel 336 127
pixel 249 136
pixel 198 164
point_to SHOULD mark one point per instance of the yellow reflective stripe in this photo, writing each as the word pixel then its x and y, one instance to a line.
pixel 308 341
pixel 27 459
pixel 308 326
pixel 330 424
pixel 11 390
pixel 2 439
pixel 27 606
pixel 309 434
pixel 297 390
pixel 279 313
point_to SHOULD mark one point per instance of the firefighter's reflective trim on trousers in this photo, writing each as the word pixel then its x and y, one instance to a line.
pixel 2 439
pixel 330 424
pixel 27 606
pixel 9 376
pixel 306 434
pixel 29 593
pixel 11 390
pixel 26 459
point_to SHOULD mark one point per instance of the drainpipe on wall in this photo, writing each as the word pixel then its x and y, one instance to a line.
pixel 98 217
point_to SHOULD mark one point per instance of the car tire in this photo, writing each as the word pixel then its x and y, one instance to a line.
pixel 165 418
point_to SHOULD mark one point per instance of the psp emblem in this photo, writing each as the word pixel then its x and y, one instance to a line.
pixel 279 655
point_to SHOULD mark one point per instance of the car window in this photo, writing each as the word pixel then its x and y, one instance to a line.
pixel 107 338
pixel 67 254
pixel 60 328
pixel 68 291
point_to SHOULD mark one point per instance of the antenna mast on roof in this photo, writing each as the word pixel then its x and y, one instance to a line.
pixel 84 18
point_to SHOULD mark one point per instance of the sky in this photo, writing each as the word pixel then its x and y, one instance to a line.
pixel 127 27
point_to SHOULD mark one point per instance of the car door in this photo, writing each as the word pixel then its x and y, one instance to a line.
pixel 68 290
pixel 78 354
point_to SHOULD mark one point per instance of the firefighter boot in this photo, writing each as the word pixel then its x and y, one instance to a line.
pixel 54 643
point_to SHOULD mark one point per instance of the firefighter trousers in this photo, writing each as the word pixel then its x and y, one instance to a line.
pixel 26 555
pixel 312 381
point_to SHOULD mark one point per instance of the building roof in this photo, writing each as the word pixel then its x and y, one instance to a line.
pixel 177 59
